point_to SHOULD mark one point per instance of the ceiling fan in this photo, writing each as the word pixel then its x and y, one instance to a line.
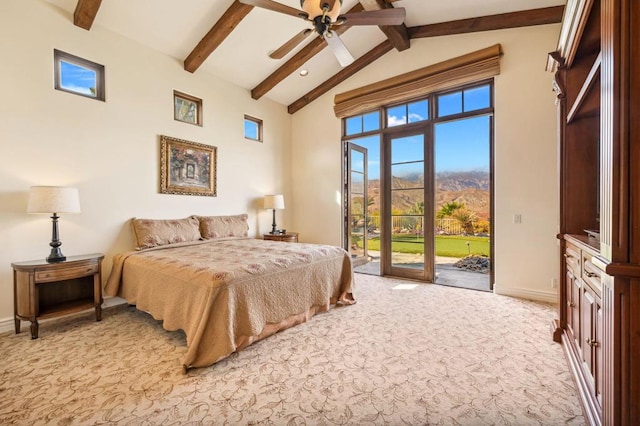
pixel 325 16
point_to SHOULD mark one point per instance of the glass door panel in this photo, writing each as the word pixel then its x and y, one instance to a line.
pixel 462 200
pixel 356 217
pixel 362 211
pixel 406 243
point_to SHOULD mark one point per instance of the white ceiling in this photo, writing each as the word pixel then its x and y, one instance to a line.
pixel 175 28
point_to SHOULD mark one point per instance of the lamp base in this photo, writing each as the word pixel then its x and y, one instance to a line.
pixel 56 256
pixel 273 225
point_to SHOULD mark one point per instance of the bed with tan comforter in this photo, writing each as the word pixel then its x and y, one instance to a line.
pixel 227 293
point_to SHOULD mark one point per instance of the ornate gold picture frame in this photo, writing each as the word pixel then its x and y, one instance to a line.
pixel 187 168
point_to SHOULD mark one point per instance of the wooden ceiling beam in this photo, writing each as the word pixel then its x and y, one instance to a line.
pixel 85 13
pixel 216 35
pixel 297 60
pixel 548 15
pixel 366 59
pixel 396 34
pixel 525 18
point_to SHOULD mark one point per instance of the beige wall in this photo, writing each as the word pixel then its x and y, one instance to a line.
pixel 110 150
pixel 525 154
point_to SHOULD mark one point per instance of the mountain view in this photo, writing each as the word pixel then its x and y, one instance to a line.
pixel 470 188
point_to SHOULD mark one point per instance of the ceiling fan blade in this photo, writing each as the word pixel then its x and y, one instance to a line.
pixel 275 6
pixel 339 49
pixel 393 16
pixel 283 50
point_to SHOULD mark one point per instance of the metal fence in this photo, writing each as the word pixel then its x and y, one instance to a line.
pixel 415 224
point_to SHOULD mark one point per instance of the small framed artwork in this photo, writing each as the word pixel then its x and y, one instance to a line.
pixel 79 76
pixel 187 168
pixel 187 108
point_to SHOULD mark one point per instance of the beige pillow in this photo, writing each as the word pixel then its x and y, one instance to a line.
pixel 214 227
pixel 158 232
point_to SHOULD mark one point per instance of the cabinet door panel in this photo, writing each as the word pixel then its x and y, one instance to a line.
pixel 597 349
pixel 573 306
pixel 587 331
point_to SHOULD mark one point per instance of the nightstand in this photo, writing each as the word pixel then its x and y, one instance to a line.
pixel 46 290
pixel 289 237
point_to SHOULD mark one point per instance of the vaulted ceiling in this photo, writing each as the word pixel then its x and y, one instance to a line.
pixel 233 40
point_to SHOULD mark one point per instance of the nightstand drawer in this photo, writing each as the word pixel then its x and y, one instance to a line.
pixel 290 237
pixel 63 274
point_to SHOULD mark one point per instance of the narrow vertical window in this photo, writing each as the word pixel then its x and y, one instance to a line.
pixel 252 128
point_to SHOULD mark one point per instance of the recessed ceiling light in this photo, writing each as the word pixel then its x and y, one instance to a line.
pixel 304 73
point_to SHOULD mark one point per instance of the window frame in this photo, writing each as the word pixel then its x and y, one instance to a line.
pixel 462 89
pixel 259 124
pixel 386 132
pixel 59 56
pixel 190 100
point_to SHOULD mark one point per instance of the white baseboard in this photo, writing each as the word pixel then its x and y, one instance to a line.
pixel 540 296
pixel 6 324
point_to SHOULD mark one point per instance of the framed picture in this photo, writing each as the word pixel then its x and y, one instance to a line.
pixel 187 108
pixel 78 76
pixel 187 168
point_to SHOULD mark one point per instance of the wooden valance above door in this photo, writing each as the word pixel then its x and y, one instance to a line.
pixel 451 73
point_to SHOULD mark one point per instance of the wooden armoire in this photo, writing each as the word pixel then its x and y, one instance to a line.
pixel 597 82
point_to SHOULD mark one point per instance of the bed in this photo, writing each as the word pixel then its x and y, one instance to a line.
pixel 223 289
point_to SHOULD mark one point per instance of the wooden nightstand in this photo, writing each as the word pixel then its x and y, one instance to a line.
pixel 289 237
pixel 46 290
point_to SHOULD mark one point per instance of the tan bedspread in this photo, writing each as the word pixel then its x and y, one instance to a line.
pixel 227 294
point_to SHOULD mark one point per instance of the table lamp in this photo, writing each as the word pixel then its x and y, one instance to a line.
pixel 54 199
pixel 275 202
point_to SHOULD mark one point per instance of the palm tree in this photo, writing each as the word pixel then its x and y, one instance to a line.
pixel 466 219
pixel 418 208
pixel 459 212
pixel 448 209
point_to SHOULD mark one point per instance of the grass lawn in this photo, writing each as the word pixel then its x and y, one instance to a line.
pixel 446 245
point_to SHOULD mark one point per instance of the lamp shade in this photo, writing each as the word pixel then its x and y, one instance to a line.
pixel 313 8
pixel 274 202
pixel 53 199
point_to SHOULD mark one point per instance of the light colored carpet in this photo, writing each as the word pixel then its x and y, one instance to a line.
pixel 429 355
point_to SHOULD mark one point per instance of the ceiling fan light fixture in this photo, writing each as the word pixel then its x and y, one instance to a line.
pixel 314 8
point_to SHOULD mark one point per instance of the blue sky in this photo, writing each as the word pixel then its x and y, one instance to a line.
pixel 76 78
pixel 460 145
pixel 463 145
